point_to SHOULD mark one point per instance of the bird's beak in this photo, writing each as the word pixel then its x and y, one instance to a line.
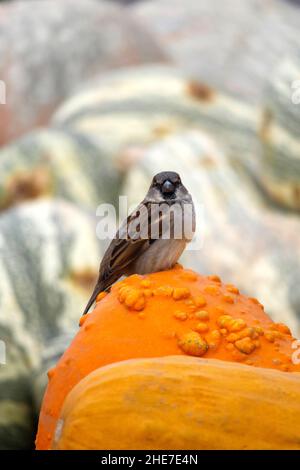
pixel 168 187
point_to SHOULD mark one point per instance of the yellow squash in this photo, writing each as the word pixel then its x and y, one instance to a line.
pixel 181 402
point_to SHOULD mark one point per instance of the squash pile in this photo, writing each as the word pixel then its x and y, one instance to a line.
pixel 171 313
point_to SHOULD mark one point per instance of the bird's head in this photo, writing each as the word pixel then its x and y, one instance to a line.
pixel 167 187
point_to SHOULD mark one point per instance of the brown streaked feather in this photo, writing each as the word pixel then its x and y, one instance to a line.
pixel 123 251
pixel 119 256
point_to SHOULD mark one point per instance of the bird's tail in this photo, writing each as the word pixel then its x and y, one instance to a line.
pixel 97 290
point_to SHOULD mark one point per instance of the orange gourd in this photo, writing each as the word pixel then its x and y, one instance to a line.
pixel 180 402
pixel 176 312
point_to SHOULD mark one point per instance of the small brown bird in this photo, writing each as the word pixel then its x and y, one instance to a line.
pixel 153 237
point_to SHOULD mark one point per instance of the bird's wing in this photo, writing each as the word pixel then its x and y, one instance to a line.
pixel 121 252
pixel 127 246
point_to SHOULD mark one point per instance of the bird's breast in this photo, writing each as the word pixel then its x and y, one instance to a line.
pixel 161 255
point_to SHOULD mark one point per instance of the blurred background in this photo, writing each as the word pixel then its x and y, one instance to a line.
pixel 95 98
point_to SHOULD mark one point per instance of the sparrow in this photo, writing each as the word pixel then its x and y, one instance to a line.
pixel 153 237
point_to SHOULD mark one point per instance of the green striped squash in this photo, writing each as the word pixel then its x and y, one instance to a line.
pixel 141 105
pixel 49 262
pixel 279 172
pixel 234 48
pixel 58 163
